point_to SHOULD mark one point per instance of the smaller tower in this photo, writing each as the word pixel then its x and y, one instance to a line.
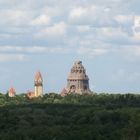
pixel 38 84
pixel 11 92
pixel 30 94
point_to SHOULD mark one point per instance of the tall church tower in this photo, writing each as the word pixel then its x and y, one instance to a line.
pixel 78 81
pixel 38 84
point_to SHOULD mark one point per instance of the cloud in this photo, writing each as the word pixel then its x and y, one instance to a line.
pixel 136 28
pixel 114 36
pixel 77 12
pixel 83 29
pixel 41 20
pixel 12 17
pixel 12 57
pixel 81 25
pixel 125 20
pixel 18 50
pixel 94 15
pixel 32 50
pixel 56 30
pixel 92 52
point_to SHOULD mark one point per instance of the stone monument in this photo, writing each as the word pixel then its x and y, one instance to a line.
pixel 77 81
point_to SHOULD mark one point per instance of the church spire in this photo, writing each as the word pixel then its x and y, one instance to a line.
pixel 38 84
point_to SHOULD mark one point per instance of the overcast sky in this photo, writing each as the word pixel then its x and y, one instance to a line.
pixel 49 35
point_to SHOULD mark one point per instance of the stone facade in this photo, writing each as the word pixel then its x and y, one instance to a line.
pixel 38 85
pixel 11 92
pixel 77 81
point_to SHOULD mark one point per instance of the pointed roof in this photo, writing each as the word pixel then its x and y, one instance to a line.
pixel 30 94
pixel 12 90
pixel 38 76
pixel 64 92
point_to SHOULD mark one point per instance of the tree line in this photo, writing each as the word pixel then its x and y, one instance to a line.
pixel 86 117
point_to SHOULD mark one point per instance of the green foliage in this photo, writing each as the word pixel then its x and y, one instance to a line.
pixel 74 117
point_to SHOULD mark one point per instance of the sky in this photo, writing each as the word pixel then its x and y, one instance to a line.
pixel 50 35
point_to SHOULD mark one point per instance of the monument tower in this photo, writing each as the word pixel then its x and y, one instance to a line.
pixel 77 81
pixel 38 85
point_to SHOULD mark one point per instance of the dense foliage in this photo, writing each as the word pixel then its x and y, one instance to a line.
pixel 74 117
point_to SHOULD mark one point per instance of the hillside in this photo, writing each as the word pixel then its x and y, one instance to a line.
pixel 74 117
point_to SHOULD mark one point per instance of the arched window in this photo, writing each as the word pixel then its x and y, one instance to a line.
pixel 72 88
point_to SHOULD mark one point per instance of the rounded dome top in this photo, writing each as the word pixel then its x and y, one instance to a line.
pixel 78 71
pixel 78 63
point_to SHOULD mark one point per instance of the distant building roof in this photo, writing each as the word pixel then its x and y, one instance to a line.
pixel 11 92
pixel 38 76
pixel 64 92
pixel 30 94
